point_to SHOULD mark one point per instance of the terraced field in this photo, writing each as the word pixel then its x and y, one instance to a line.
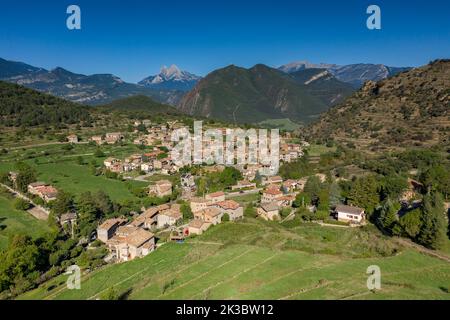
pixel 258 260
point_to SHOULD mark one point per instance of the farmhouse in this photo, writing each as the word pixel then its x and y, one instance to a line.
pixel 210 214
pixel 97 139
pixel 113 137
pixel 149 217
pixel 131 243
pixel 160 189
pixel 198 204
pixel 244 184
pixel 269 211
pixel 215 197
pixel 271 195
pixel 43 190
pixel 350 214
pixel 286 200
pixel 110 162
pixel 72 138
pixel 197 227
pixel 107 229
pixel 169 217
pixel 290 185
pixel 230 207
pixel 274 180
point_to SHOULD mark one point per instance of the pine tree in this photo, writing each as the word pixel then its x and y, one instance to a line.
pixel 433 231
pixel 388 216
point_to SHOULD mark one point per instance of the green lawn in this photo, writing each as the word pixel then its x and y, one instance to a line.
pixel 253 260
pixel 14 222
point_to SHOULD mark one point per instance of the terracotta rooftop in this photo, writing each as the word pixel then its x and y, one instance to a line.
pixel 111 222
pixel 228 204
pixel 197 223
pixel 139 237
pixel 273 192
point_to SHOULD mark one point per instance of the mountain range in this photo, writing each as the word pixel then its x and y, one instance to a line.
pixel 84 89
pixel 409 109
pixel 298 90
pixel 354 74
pixel 252 95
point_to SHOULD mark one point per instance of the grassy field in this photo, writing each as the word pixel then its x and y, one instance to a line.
pixel 14 222
pixel 282 124
pixel 59 167
pixel 255 259
pixel 316 150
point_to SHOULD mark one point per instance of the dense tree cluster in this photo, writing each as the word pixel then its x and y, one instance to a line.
pixel 20 106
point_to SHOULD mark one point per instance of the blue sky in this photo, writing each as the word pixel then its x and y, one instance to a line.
pixel 133 39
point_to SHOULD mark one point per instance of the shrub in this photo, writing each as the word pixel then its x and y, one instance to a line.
pixel 21 204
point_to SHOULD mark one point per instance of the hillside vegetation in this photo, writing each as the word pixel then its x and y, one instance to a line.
pixel 254 259
pixel 251 95
pixel 409 109
pixel 20 106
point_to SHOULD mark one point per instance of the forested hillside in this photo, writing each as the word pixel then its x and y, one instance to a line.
pixel 20 106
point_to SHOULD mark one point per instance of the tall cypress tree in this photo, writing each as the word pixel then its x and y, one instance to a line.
pixel 433 231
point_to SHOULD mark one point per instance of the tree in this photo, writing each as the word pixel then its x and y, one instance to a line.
pixel 433 230
pixel 364 193
pixel 225 217
pixel 335 195
pixel 437 178
pixel 21 204
pixel 99 153
pixel 25 176
pixel 301 200
pixel 313 187
pixel 63 203
pixel 103 203
pixel 186 211
pixel 411 223
pixel 88 213
pixel 387 218
pixel 392 186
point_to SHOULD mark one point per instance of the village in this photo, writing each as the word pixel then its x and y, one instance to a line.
pixel 129 238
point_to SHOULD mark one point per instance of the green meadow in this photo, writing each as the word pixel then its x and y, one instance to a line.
pixel 14 222
pixel 60 167
pixel 255 259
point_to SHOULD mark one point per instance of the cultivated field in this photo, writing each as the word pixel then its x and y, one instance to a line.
pixel 254 259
